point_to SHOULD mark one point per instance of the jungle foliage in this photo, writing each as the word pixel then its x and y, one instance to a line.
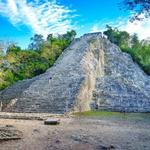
pixel 18 64
pixel 139 50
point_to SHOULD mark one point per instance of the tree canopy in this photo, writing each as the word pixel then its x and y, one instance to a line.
pixel 139 50
pixel 18 64
pixel 138 7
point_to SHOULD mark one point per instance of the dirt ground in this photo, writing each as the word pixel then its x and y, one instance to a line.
pixel 80 134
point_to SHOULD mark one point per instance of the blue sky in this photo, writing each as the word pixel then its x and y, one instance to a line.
pixel 21 19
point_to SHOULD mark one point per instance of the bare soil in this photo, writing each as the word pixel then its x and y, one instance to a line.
pixel 79 134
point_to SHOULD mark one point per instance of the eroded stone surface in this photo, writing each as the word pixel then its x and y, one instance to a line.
pixel 10 133
pixel 91 73
pixel 71 84
pixel 124 87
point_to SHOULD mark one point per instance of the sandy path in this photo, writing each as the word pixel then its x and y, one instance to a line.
pixel 79 134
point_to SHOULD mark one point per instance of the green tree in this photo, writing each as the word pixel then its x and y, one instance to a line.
pixel 135 41
pixel 138 7
pixel 69 36
pixel 1 53
pixel 36 42
pixel 13 49
pixel 140 51
pixel 53 47
pixel 18 64
pixel 120 38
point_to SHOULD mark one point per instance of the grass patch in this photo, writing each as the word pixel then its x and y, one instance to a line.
pixel 115 115
pixel 97 113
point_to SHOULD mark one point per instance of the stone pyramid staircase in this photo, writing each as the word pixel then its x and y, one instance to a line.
pixel 92 73
pixel 71 84
pixel 124 86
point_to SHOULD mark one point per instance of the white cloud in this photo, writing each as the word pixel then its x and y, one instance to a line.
pixel 12 6
pixel 42 17
pixel 142 28
pixel 95 28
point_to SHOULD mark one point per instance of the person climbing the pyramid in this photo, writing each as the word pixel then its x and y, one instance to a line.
pixel 50 78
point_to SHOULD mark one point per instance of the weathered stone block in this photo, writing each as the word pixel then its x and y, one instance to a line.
pixel 52 121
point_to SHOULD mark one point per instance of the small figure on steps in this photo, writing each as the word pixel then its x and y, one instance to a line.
pixel 50 78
